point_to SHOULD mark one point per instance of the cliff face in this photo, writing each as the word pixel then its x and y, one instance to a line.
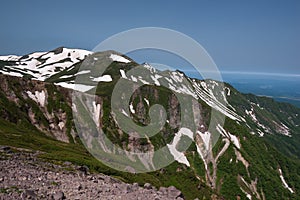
pixel 35 104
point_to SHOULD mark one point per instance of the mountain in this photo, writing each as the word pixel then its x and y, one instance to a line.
pixel 47 103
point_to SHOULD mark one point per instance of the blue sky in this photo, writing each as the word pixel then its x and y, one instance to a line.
pixel 257 36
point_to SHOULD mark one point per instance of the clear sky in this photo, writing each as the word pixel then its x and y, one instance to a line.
pixel 257 36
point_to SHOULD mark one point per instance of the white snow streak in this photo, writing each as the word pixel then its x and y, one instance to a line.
pixel 124 113
pixel 206 138
pixel 147 101
pixel 284 182
pixel 123 74
pixel 105 78
pixel 83 72
pixel 131 108
pixel 96 112
pixel 78 87
pixel 118 58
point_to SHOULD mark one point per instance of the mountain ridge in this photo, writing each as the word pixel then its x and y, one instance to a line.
pixel 44 104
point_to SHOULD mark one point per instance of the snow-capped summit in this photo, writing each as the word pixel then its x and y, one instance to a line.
pixel 42 65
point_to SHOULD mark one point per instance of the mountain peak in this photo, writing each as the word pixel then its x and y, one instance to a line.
pixel 42 65
pixel 58 50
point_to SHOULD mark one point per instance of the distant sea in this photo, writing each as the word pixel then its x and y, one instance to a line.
pixel 281 87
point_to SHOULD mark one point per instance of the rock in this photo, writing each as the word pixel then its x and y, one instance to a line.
pixel 95 181
pixel 83 170
pixel 58 196
pixel 130 188
pixel 56 183
pixel 178 169
pixel 163 190
pixel 28 194
pixel 162 171
pixel 148 186
pixel 112 180
pixel 79 187
pixel 67 163
pixel 5 148
pixel 135 186
pixel 173 192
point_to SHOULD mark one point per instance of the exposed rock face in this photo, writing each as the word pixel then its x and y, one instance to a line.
pixel 24 176
pixel 45 105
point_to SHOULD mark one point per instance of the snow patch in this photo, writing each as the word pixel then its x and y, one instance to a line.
pixel 179 156
pixel 61 125
pixel 123 74
pixel 83 72
pixel 51 63
pixel 124 113
pixel 228 91
pixel 12 73
pixel 96 112
pixel 207 96
pixel 66 76
pixel 118 58
pixel 155 79
pixel 131 108
pixel 260 133
pixel 134 79
pixel 235 141
pixel 177 77
pixel 143 81
pixel 247 195
pixel 206 138
pixel 150 68
pixel 10 58
pixel 78 87
pixel 251 114
pixel 104 78
pixel 147 101
pixel 283 129
pixel 226 134
pixel 38 97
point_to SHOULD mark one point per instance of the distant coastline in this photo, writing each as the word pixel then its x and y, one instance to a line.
pixel 279 86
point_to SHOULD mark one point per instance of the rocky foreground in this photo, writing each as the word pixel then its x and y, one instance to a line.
pixel 25 176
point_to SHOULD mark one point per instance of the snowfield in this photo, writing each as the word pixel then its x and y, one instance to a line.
pixel 42 65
